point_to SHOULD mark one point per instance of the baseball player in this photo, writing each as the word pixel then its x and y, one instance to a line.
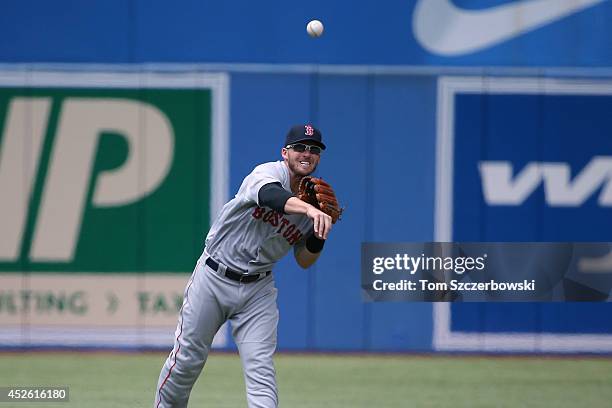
pixel 233 280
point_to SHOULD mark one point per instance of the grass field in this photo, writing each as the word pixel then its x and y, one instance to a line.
pixel 308 381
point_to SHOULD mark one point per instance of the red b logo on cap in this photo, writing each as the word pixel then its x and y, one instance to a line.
pixel 309 130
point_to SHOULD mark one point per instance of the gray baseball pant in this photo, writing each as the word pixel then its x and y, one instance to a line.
pixel 209 300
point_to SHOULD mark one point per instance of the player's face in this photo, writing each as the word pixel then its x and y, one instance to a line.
pixel 301 163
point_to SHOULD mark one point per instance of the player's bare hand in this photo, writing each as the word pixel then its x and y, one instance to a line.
pixel 322 222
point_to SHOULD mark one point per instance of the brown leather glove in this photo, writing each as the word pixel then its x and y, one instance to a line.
pixel 319 194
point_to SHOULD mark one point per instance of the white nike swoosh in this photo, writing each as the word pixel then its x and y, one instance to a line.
pixel 445 29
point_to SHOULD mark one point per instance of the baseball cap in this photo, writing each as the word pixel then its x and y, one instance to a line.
pixel 303 133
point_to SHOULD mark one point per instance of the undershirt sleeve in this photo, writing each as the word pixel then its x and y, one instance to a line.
pixel 273 195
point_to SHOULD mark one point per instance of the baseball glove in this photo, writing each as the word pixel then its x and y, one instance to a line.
pixel 318 193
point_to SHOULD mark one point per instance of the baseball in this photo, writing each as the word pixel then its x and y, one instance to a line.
pixel 315 28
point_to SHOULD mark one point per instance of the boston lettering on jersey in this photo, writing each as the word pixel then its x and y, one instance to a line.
pixel 291 233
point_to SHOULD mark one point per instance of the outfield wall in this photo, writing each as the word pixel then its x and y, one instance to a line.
pixel 113 275
pixel 127 124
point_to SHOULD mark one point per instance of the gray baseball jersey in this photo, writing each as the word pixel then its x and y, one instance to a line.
pixel 250 238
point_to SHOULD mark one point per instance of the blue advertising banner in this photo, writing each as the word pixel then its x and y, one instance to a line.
pixel 552 33
pixel 526 159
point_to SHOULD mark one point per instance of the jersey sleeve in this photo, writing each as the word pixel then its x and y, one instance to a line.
pixel 259 177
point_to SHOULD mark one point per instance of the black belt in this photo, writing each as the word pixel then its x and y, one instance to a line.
pixel 237 276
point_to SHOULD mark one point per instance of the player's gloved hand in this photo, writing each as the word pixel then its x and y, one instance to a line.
pixel 321 195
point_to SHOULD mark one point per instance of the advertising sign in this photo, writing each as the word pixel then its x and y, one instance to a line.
pixel 526 159
pixel 108 183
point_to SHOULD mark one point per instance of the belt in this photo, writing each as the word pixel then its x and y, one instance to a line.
pixel 237 276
